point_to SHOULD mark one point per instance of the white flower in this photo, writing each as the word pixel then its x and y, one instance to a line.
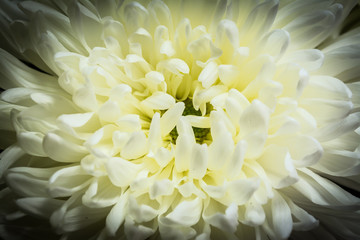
pixel 181 119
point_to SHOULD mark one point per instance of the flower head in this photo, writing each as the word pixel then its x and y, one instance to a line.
pixel 182 119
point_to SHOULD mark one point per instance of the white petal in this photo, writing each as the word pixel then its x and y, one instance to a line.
pixel 31 143
pixel 62 149
pixel 39 206
pixel 228 74
pixel 281 217
pixel 16 74
pixel 187 213
pixel 313 25
pixel 117 215
pixel 201 97
pixel 170 118
pixel 220 151
pixel 327 110
pixel 322 191
pixel 338 128
pixel 209 75
pixel 85 98
pixel 310 59
pixel 85 23
pixel 24 184
pixel 227 32
pixel 198 161
pixel 135 16
pixel 109 111
pixel 278 165
pixel 227 221
pixel 159 100
pixel 135 147
pixel 81 217
pixel 326 87
pixel 8 157
pixel 339 163
pixel 155 140
pixel 75 120
pixel 137 231
pixel 173 65
pixel 161 188
pixel 305 221
pixel 184 145
pixel 247 186
pixel 259 20
pixel 253 124
pixel 155 77
pixel 276 43
pixel 198 121
pixel 129 123
pixel 101 193
pixel 141 212
pixel 309 153
pixel 255 118
pixel 254 214
pixel 67 181
pixel 235 164
pixel 121 172
pixel 163 156
pixel 167 49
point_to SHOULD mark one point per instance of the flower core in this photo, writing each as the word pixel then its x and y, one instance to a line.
pixel 181 119
pixel 201 134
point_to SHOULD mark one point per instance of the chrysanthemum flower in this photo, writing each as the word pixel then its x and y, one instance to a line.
pixel 181 119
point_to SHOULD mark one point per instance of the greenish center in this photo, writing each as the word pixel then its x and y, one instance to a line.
pixel 200 133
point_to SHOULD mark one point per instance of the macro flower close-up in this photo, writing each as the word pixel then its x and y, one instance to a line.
pixel 180 119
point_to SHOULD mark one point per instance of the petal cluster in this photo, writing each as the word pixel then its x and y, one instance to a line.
pixel 182 119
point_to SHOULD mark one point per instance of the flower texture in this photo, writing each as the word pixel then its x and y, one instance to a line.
pixel 181 119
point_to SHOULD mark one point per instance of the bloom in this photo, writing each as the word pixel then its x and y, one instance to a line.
pixel 182 119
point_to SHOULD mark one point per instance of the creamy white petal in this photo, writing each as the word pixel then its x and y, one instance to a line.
pixel 305 220
pixel 209 75
pixel 135 147
pixel 247 186
pixel 62 149
pixel 279 166
pixel 187 213
pixel 220 151
pixel 198 161
pixel 155 140
pixel 310 24
pixel 109 111
pixel 184 145
pixel 117 214
pixel 31 143
pixel 161 188
pixel 281 217
pixel 254 214
pixel 101 193
pixel 16 74
pixel 339 163
pixel 42 207
pixel 121 172
pixel 28 182
pixel 135 231
pixel 170 117
pixel 234 166
pixel 226 221
pixel 159 100
pixel 67 181
pixel 8 157
pixel 80 217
